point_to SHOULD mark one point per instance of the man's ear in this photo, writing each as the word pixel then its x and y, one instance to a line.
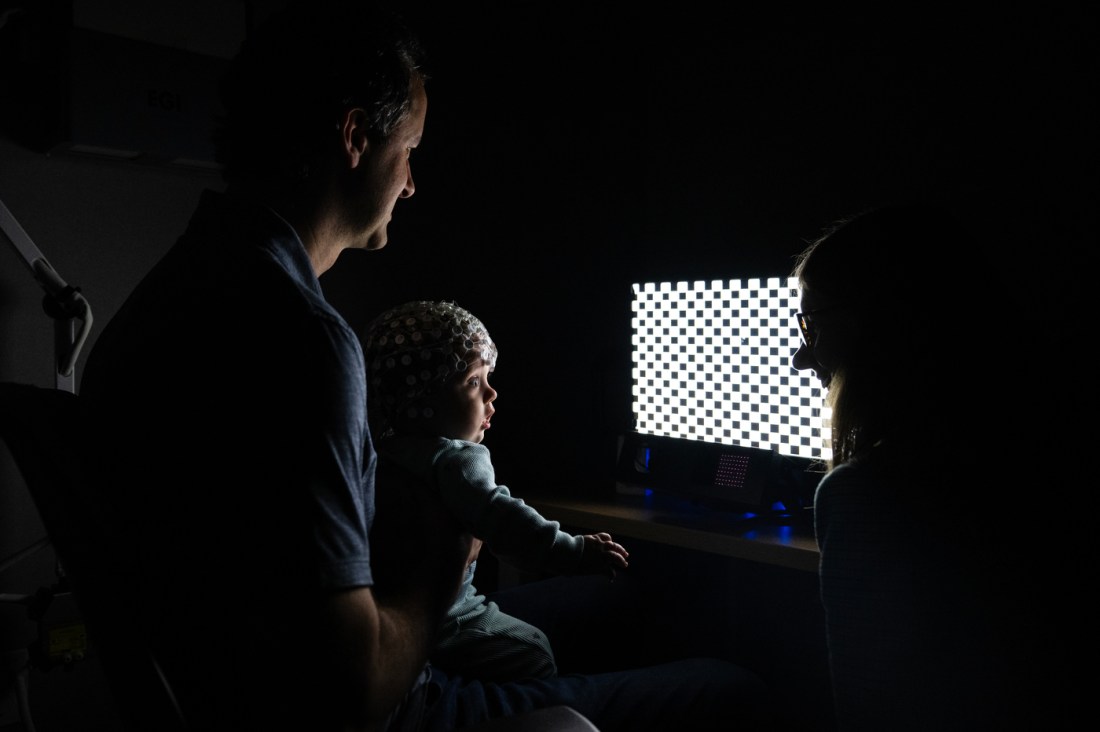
pixel 353 136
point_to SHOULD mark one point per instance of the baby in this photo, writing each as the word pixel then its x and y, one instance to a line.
pixel 429 404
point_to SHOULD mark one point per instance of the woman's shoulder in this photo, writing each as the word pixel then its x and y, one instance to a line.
pixel 867 488
pixel 885 471
pixel 853 477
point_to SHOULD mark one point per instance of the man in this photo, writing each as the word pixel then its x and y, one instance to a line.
pixel 227 404
pixel 228 398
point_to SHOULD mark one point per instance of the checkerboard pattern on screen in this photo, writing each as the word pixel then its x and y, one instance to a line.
pixel 711 362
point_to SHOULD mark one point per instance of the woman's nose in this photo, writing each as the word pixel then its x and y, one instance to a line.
pixel 803 359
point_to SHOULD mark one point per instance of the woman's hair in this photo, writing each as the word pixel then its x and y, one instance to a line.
pixel 296 73
pixel 411 351
pixel 912 282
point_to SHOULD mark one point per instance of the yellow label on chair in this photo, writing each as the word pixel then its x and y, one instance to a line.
pixel 67 639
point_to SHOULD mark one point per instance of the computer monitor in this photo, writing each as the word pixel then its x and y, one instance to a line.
pixel 719 412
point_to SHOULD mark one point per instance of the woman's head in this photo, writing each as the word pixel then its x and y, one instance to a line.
pixel 427 370
pixel 890 301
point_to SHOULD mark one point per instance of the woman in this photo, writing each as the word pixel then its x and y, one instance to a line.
pixel 932 590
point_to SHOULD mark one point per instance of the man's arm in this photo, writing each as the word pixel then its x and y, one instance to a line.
pixel 380 638
pixel 377 652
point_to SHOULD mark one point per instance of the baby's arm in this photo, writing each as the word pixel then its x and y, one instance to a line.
pixel 602 555
pixel 514 531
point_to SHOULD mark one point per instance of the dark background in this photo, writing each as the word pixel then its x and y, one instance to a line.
pixel 574 149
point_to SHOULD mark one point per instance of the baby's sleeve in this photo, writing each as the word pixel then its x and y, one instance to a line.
pixel 514 531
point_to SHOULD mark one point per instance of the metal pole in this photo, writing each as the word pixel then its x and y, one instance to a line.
pixel 62 302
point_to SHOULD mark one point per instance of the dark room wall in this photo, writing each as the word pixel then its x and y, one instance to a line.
pixel 573 151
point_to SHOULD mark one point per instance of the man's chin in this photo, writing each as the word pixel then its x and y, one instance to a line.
pixel 376 241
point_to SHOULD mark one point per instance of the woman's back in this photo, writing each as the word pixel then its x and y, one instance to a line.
pixel 926 613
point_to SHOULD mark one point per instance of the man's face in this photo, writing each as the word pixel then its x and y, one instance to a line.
pixel 385 175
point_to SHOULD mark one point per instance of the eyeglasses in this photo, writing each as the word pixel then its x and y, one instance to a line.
pixel 806 325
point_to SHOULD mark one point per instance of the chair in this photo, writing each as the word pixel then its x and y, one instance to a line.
pixel 42 429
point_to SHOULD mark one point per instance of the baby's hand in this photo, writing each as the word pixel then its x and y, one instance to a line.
pixel 601 555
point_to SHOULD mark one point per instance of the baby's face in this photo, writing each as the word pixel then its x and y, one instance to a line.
pixel 464 405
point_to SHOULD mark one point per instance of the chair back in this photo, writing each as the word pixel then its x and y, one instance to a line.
pixel 44 433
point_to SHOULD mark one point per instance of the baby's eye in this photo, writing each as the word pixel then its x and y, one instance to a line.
pixel 475 381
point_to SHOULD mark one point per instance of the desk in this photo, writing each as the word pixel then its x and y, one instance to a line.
pixel 676 521
pixel 732 586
